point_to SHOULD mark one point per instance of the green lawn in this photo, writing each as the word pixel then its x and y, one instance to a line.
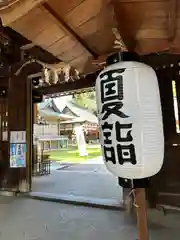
pixel 72 155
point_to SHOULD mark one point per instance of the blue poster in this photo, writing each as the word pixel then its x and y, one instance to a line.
pixel 17 155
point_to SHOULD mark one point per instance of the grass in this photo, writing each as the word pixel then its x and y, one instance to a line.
pixel 71 155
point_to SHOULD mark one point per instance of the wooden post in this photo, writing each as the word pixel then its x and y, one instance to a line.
pixel 35 112
pixel 141 210
pixel 29 133
pixel 19 117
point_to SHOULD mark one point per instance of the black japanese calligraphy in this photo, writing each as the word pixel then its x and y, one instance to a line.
pixel 112 85
pixel 109 154
pixel 107 131
pixel 128 128
pixel 113 108
pixel 112 96
pixel 126 153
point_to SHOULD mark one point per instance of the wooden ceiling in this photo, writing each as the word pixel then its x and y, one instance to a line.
pixel 6 3
pixel 80 31
pixel 149 26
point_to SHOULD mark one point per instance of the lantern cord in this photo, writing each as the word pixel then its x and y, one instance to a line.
pixel 132 194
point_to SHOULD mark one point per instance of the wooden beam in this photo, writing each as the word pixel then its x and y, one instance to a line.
pixel 87 82
pixel 149 45
pixel 16 11
pixel 151 34
pixel 7 3
pixel 157 60
pixel 137 1
pixel 31 50
pixel 27 46
pixel 172 19
pixel 36 75
pixel 69 30
pixel 154 60
pixel 14 36
pixel 42 55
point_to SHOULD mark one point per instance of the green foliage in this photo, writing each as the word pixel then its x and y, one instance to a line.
pixel 86 100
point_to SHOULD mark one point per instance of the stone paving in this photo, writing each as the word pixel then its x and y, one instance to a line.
pixel 90 180
pixel 27 219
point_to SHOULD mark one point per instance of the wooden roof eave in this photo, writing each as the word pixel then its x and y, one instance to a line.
pixel 80 32
pixel 4 4
pixel 56 34
pixel 15 16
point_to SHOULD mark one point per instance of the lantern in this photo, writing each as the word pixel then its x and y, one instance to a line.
pixel 130 119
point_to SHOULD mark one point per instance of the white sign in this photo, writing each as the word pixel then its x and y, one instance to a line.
pixel 17 136
pixel 130 117
pixel 5 136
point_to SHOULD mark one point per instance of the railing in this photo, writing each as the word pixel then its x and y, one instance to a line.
pixel 42 164
pixel 41 130
pixel 42 168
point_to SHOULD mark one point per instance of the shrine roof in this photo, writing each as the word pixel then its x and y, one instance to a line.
pixel 73 113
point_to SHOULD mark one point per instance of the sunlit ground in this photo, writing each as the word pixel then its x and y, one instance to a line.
pixel 71 154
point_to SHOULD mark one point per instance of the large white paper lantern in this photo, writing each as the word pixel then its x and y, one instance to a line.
pixel 130 118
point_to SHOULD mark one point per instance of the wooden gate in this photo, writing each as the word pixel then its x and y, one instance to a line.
pixel 15 116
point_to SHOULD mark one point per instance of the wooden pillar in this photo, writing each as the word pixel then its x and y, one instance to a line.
pixel 165 78
pixel 141 210
pixel 35 112
pixel 4 144
pixel 20 120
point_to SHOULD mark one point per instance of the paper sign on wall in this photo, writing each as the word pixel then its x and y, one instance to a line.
pixel 18 137
pixel 5 136
pixel 17 149
pixel 17 155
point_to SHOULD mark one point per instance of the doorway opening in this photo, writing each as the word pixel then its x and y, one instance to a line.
pixel 67 149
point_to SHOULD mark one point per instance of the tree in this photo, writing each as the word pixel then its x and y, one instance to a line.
pixel 86 100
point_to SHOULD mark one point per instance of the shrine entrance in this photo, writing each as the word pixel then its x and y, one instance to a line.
pixel 17 99
pixel 17 94
pixel 77 169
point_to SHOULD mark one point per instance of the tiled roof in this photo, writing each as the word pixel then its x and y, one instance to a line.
pixel 50 108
